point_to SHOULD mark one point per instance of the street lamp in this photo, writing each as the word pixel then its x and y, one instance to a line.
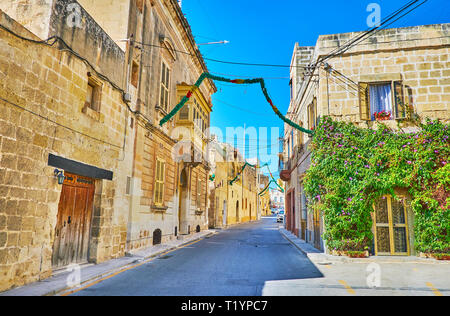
pixel 59 174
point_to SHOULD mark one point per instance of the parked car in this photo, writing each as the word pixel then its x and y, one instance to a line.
pixel 280 217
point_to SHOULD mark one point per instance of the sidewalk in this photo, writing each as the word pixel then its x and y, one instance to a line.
pixel 57 283
pixel 320 258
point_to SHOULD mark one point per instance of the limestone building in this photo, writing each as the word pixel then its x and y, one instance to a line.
pixel 264 199
pixel 66 145
pixel 237 202
pixel 404 71
pixel 84 85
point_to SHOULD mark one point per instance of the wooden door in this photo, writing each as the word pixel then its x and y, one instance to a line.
pixel 316 222
pixel 73 224
pixel 390 227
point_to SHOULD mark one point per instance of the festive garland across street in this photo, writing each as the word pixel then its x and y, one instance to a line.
pixel 205 75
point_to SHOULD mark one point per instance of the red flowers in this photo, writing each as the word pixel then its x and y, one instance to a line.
pixel 382 115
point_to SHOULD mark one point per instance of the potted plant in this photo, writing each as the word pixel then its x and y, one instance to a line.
pixel 442 256
pixel 382 115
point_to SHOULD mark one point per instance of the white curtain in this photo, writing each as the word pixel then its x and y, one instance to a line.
pixel 380 99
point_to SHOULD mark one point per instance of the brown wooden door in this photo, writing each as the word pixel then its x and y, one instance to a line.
pixel 74 221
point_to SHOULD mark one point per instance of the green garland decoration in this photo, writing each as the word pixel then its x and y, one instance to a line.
pixel 240 172
pixel 268 187
pixel 205 75
pixel 273 179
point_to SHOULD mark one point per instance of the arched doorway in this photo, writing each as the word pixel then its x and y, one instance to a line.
pixel 183 203
pixel 157 236
pixel 237 211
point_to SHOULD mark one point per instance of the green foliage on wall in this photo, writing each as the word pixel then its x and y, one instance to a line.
pixel 352 167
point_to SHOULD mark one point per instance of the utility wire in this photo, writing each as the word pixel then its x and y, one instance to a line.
pixel 58 124
pixel 373 31
pixel 239 108
pixel 355 41
pixel 348 44
pixel 223 61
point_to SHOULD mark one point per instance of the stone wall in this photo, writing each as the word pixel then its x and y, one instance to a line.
pixel 418 57
pixel 42 96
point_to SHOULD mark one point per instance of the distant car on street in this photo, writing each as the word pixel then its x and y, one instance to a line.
pixel 280 217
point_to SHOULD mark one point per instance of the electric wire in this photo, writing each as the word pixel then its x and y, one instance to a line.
pixel 223 61
pixel 58 124
pixel 373 31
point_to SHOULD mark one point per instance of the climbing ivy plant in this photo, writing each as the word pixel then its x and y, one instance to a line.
pixel 352 167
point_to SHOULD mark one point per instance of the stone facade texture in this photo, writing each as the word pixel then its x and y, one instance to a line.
pixel 417 57
pixel 43 93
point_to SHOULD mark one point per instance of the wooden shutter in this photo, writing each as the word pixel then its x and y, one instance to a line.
pixel 199 192
pixel 159 182
pixel 300 136
pixel 315 112
pixel 310 117
pixel 399 100
pixel 364 101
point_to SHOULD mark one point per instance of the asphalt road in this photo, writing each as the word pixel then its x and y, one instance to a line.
pixel 236 262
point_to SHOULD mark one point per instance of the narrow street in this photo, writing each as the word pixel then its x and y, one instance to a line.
pixel 254 259
pixel 235 262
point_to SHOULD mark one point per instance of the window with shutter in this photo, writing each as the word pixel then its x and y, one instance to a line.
pixel 381 101
pixel 164 90
pixel 399 101
pixel 300 137
pixel 364 105
pixel 184 112
pixel 199 192
pixel 312 114
pixel 159 182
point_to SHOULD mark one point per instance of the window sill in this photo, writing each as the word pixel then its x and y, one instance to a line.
pixel 161 110
pixel 159 208
pixel 95 115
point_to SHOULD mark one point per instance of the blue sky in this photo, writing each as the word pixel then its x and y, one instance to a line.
pixel 265 31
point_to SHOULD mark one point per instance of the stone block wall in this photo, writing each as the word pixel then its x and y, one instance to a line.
pixel 418 56
pixel 42 93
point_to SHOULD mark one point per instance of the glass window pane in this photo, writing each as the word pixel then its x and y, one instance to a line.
pixel 166 100
pixel 157 170
pixel 161 198
pixel 381 208
pixel 90 94
pixel 162 97
pixel 383 242
pixel 380 99
pixel 398 212
pixel 167 78
pixel 400 239
pixel 184 112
